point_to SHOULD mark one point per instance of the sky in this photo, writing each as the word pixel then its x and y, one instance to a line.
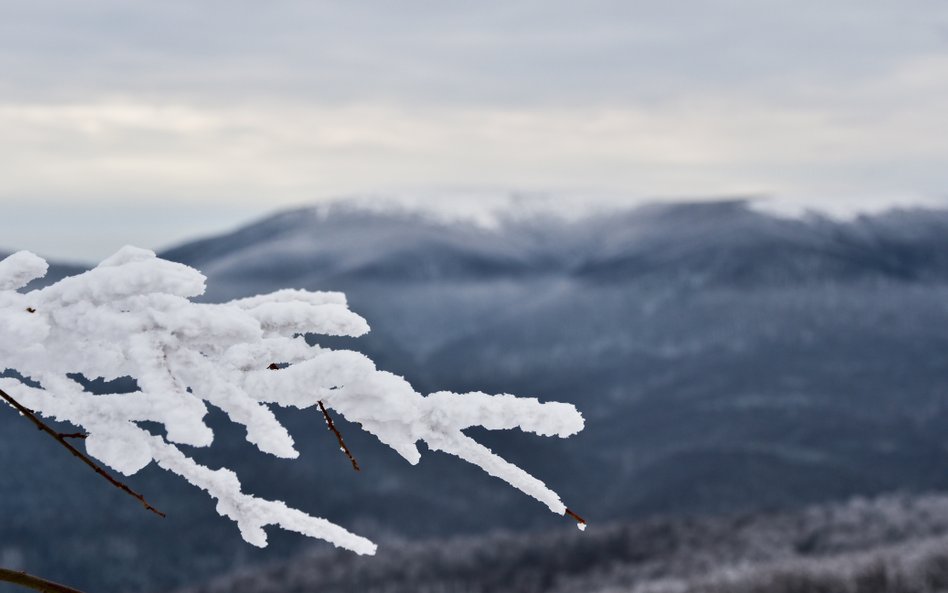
pixel 150 123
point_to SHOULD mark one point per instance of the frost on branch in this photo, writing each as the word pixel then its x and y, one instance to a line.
pixel 132 316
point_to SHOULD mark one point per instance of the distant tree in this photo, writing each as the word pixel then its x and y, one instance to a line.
pixel 131 316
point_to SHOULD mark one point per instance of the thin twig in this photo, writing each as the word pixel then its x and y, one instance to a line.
pixel 579 519
pixel 342 443
pixel 73 435
pixel 62 441
pixel 29 581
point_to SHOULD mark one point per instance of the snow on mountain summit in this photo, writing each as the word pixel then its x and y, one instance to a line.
pixel 707 242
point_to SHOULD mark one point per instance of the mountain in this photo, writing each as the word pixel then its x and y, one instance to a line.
pixel 725 359
pixel 727 242
pixel 774 361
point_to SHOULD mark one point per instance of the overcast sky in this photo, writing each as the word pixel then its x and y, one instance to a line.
pixel 151 122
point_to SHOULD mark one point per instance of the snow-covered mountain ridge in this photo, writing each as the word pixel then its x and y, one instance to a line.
pixel 715 241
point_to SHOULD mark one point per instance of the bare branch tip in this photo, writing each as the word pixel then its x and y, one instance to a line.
pixel 578 519
pixel 342 443
pixel 61 439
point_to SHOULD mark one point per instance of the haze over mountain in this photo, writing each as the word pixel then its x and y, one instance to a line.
pixel 725 359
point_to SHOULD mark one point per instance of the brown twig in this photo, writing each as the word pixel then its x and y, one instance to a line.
pixel 61 439
pixel 29 581
pixel 73 435
pixel 579 519
pixel 342 443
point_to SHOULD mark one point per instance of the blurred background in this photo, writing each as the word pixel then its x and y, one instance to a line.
pixel 719 228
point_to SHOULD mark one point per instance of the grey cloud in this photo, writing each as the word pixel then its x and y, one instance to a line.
pixel 238 107
pixel 434 52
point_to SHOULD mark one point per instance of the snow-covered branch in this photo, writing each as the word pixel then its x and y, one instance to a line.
pixel 132 316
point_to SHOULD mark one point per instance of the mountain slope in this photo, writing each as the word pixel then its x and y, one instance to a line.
pixel 796 342
pixel 724 359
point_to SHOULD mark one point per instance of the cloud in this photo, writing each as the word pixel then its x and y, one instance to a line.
pixel 424 52
pixel 248 106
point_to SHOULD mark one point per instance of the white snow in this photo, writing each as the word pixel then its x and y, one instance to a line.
pixel 132 316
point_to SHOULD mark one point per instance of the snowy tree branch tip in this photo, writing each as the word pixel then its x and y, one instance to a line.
pixel 132 316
